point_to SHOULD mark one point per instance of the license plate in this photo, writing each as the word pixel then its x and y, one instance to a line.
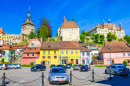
pixel 83 69
pixel 60 79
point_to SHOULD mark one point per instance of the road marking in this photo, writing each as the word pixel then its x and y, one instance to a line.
pixel 18 83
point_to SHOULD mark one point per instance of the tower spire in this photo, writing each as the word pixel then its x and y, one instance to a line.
pixel 109 21
pixel 28 16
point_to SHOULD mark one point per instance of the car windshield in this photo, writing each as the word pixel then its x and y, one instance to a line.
pixel 84 66
pixel 76 65
pixel 60 65
pixel 35 65
pixel 58 71
pixel 120 66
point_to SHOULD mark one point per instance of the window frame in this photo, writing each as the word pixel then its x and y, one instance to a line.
pixel 27 54
pixel 48 52
pixel 32 54
pixel 49 57
pixel 44 52
pixel 71 51
pixel 123 54
pixel 67 52
pixel 44 57
pixel 76 51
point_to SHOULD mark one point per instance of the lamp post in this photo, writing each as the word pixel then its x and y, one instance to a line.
pixel 110 63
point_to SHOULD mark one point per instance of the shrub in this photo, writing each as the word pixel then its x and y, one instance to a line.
pixel 31 63
pixel 125 62
pixel 70 64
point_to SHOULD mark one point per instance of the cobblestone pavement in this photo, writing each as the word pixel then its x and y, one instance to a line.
pixel 78 79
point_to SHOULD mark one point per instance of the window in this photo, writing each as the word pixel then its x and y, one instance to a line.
pixel 54 52
pixel 29 49
pixel 66 51
pixel 76 51
pixel 32 44
pixel 128 54
pixel 0 36
pixel 88 53
pixel 43 57
pixel 108 61
pixel 32 54
pixel 34 49
pixel 48 52
pixel 43 52
pixel 115 54
pixel 27 54
pixel 123 54
pixel 71 51
pixel 62 51
pixel 49 57
pixel 55 57
pixel 82 53
pixel 107 55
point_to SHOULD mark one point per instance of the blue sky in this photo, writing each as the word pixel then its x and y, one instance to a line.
pixel 85 12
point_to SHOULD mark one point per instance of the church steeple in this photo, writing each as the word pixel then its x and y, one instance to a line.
pixel 29 16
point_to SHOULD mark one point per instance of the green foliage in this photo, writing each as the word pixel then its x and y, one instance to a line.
pixel 102 38
pixel 87 39
pixel 82 37
pixel 70 64
pixel 101 65
pixel 111 36
pixel 16 43
pixel 127 39
pixel 120 39
pixel 56 34
pixel 31 63
pixel 87 34
pixel 38 33
pixel 93 36
pixel 96 38
pixel 31 35
pixel 23 38
pixel 83 32
pixel 27 65
pixel 125 62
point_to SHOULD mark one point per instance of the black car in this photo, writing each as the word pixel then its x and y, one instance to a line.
pixel 84 68
pixel 68 65
pixel 64 67
pixel 38 67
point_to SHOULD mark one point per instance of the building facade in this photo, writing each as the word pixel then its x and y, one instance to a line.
pixel 105 28
pixel 119 52
pixel 31 53
pixel 68 31
pixel 85 54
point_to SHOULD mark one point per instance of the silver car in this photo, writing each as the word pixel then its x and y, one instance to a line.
pixel 76 67
pixel 117 70
pixel 12 66
pixel 18 65
pixel 3 66
pixel 58 75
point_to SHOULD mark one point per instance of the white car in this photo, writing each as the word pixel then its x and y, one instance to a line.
pixel 117 70
pixel 18 65
pixel 12 66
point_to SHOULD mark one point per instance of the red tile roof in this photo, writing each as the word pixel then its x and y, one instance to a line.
pixel 32 50
pixel 83 47
pixel 1 31
pixel 115 47
pixel 50 45
pixel 5 47
pixel 23 46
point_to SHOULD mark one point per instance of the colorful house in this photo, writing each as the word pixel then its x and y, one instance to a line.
pixel 48 53
pixel 31 53
pixel 6 53
pixel 85 54
pixel 69 52
pixel 117 51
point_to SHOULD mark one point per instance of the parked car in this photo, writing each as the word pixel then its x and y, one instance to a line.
pixel 53 65
pixel 76 67
pixel 3 66
pixel 18 65
pixel 64 67
pixel 38 67
pixel 68 65
pixel 58 75
pixel 11 66
pixel 84 68
pixel 119 64
pixel 117 70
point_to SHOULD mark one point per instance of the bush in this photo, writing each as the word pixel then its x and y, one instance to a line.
pixel 31 63
pixel 125 62
pixel 70 64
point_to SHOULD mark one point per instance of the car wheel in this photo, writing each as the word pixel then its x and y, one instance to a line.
pixel 2 68
pixel 115 73
pixel 106 72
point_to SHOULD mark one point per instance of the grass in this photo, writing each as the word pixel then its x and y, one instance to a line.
pixel 27 65
pixel 95 43
pixel 101 65
pixel 127 65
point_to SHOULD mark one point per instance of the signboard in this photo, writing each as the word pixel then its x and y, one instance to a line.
pixel 64 57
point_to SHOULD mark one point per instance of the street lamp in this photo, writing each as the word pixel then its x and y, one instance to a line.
pixel 110 63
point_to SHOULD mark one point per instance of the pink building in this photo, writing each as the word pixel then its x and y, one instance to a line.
pixel 120 51
pixel 31 53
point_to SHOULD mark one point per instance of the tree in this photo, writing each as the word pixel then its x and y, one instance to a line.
pixel 96 38
pixel 92 36
pixel 87 34
pixel 83 32
pixel 31 35
pixel 74 20
pixel 38 33
pixel 127 39
pixel 102 38
pixel 111 36
pixel 120 39
pixel 56 34
pixel 82 37
pixel 87 39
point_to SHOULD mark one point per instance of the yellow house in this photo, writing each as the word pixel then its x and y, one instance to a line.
pixel 10 37
pixel 48 53
pixel 69 52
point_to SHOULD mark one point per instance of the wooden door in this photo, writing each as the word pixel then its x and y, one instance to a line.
pixel 76 61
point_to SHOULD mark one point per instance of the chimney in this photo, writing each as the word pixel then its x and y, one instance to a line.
pixel 120 26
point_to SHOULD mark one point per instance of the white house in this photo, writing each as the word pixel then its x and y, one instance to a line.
pixel 85 54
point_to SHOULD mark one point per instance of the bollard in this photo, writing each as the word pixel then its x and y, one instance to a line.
pixel 3 82
pixel 42 78
pixel 70 78
pixel 93 75
pixel 110 75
